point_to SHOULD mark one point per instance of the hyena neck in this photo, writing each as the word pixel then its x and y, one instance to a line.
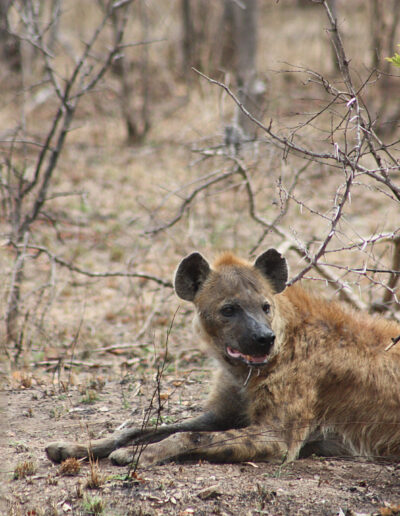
pixel 300 309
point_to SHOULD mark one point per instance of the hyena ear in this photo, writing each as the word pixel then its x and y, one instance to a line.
pixel 190 275
pixel 274 267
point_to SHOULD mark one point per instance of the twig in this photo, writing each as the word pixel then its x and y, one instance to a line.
pixel 73 346
pixel 92 274
pixel 395 340
pixel 335 282
pixel 186 203
pixel 334 223
pixel 139 448
pixel 394 274
pixel 136 337
pixel 345 293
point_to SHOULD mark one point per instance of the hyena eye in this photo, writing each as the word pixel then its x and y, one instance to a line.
pixel 266 308
pixel 228 310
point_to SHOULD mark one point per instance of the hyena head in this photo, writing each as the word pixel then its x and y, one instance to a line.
pixel 235 304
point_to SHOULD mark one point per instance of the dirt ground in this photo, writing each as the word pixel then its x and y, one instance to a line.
pixel 40 411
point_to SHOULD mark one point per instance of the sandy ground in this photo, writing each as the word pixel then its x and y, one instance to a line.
pixel 41 412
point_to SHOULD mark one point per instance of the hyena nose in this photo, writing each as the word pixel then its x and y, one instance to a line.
pixel 265 339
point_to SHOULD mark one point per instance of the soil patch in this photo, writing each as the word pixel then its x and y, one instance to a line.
pixel 41 412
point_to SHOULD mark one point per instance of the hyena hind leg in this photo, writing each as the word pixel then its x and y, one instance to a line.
pixel 239 445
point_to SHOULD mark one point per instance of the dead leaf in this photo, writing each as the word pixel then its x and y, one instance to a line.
pixel 389 510
pixel 137 478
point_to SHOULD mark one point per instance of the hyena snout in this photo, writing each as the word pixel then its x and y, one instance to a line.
pixel 263 339
pixel 260 337
pixel 252 344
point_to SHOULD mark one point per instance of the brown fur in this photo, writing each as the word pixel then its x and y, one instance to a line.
pixel 327 384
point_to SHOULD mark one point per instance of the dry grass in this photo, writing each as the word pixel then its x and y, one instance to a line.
pixel 69 467
pixel 24 469
pixel 95 478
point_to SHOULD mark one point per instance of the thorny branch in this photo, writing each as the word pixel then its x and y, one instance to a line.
pixel 349 159
pixel 322 248
pixel 286 144
pixel 346 156
pixel 395 274
pixel 335 282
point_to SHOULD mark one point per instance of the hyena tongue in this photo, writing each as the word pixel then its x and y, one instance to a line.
pixel 256 360
pixel 249 359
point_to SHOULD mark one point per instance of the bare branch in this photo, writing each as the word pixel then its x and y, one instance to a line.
pixel 187 202
pixel 91 274
pixel 394 276
pixel 334 223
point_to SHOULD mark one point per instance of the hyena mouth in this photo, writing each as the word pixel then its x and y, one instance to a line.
pixel 247 359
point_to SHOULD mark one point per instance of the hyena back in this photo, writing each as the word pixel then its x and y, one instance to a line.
pixel 296 374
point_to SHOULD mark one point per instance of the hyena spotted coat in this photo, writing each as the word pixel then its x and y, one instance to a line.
pixel 296 374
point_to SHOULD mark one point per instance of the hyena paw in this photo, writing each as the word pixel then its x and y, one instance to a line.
pixel 122 456
pixel 151 454
pixel 59 451
pixel 171 448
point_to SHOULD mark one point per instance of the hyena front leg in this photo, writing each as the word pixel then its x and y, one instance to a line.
pixel 100 448
pixel 253 443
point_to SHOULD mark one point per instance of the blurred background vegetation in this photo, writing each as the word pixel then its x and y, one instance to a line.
pixel 118 158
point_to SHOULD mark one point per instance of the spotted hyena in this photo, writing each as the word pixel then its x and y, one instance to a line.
pixel 295 374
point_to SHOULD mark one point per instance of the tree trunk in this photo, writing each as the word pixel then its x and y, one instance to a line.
pixel 9 44
pixel 188 39
pixel 251 89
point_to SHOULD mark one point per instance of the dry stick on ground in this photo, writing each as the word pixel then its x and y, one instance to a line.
pixel 138 335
